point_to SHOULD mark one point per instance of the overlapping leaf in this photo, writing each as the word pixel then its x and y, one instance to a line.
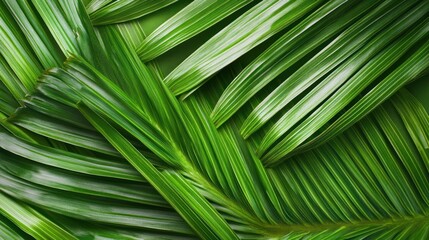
pixel 101 148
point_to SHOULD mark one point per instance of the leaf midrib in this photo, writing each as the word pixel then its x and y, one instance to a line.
pixel 284 229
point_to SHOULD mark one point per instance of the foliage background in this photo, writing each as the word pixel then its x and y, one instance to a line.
pixel 144 119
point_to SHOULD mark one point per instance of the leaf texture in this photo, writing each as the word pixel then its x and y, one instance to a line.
pixel 289 119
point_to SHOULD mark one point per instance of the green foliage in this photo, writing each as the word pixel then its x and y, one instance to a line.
pixel 129 119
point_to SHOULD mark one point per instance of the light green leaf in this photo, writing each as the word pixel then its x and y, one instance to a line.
pixel 346 45
pixel 95 209
pixel 111 101
pixel 9 231
pixel 109 12
pixel 249 30
pixel 45 126
pixel 409 70
pixel 40 40
pixel 191 20
pixel 344 95
pixel 80 183
pixel 294 45
pixel 16 52
pixel 67 160
pixel 31 221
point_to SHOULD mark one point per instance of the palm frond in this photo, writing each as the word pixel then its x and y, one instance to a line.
pixel 294 120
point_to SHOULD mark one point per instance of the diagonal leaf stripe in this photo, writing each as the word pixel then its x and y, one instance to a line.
pixel 343 95
pixel 9 231
pixel 80 183
pixel 269 18
pixel 184 198
pixel 31 221
pixel 286 51
pixel 66 160
pixel 134 121
pixel 364 156
pixel 349 44
pixel 186 24
pixel 408 71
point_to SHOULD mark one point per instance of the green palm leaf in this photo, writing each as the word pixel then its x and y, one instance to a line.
pixel 186 24
pixel 298 119
pixel 108 12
